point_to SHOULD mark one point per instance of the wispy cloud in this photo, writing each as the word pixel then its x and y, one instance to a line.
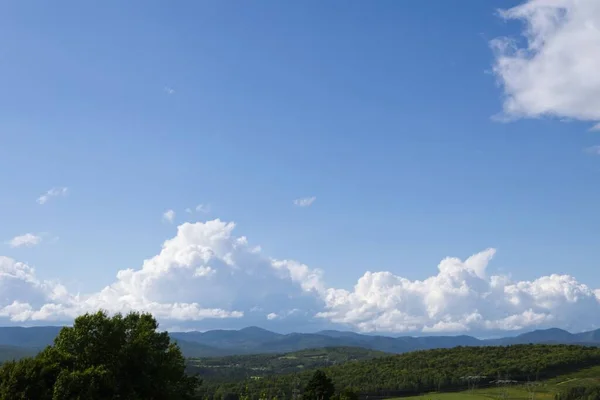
pixel 26 240
pixel 595 150
pixel 203 208
pixel 169 90
pixel 54 192
pixel 305 201
pixel 169 216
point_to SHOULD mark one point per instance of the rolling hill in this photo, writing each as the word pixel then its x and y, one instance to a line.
pixel 438 370
pixel 223 369
pixel 254 340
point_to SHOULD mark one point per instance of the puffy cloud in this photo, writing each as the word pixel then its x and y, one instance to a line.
pixel 205 272
pixel 305 201
pixel 54 192
pixel 461 298
pixel 24 297
pixel 169 216
pixel 554 71
pixel 26 240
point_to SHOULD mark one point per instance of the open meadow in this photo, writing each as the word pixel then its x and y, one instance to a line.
pixel 543 390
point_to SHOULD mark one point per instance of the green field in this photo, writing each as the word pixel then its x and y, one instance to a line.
pixel 485 394
pixel 545 390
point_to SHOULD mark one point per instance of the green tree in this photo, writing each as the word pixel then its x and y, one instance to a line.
pixel 319 387
pixel 103 357
pixel 348 394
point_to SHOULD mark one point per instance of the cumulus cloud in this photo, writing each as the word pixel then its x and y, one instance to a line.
pixel 204 272
pixel 305 201
pixel 553 70
pixel 168 216
pixel 26 240
pixel 461 298
pixel 54 192
pixel 207 272
pixel 24 297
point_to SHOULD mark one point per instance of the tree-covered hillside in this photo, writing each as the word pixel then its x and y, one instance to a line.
pixel 422 371
pixel 222 369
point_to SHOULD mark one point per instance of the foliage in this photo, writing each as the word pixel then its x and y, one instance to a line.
pixel 430 370
pixel 102 357
pixel 319 387
pixel 586 392
pixel 232 368
pixel 347 394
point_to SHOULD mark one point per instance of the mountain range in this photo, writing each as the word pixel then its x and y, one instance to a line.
pixel 20 341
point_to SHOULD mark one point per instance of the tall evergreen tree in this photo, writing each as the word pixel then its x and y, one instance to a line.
pixel 320 387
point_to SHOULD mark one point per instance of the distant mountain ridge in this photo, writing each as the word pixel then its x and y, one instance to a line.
pixel 255 340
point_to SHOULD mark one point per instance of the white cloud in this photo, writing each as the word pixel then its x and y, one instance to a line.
pixel 461 298
pixel 54 192
pixel 26 240
pixel 285 314
pixel 555 71
pixel 169 90
pixel 305 201
pixel 203 272
pixel 24 297
pixel 169 216
pixel 206 272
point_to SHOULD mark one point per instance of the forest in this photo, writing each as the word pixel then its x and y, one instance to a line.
pixel 236 368
pixel 422 371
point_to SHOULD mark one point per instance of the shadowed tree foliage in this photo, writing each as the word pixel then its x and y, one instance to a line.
pixel 319 387
pixel 102 357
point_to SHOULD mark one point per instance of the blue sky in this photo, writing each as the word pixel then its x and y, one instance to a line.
pixel 383 111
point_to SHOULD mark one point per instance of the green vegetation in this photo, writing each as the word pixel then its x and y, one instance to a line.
pixel 232 368
pixel 124 357
pixel 102 358
pixel 319 387
pixel 442 370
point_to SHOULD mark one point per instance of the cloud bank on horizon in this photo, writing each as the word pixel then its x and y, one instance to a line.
pixel 206 272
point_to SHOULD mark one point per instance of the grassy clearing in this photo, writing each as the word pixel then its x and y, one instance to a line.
pixel 545 391
pixel 516 393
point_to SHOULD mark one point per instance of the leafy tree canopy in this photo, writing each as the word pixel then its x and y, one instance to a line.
pixel 319 387
pixel 102 357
